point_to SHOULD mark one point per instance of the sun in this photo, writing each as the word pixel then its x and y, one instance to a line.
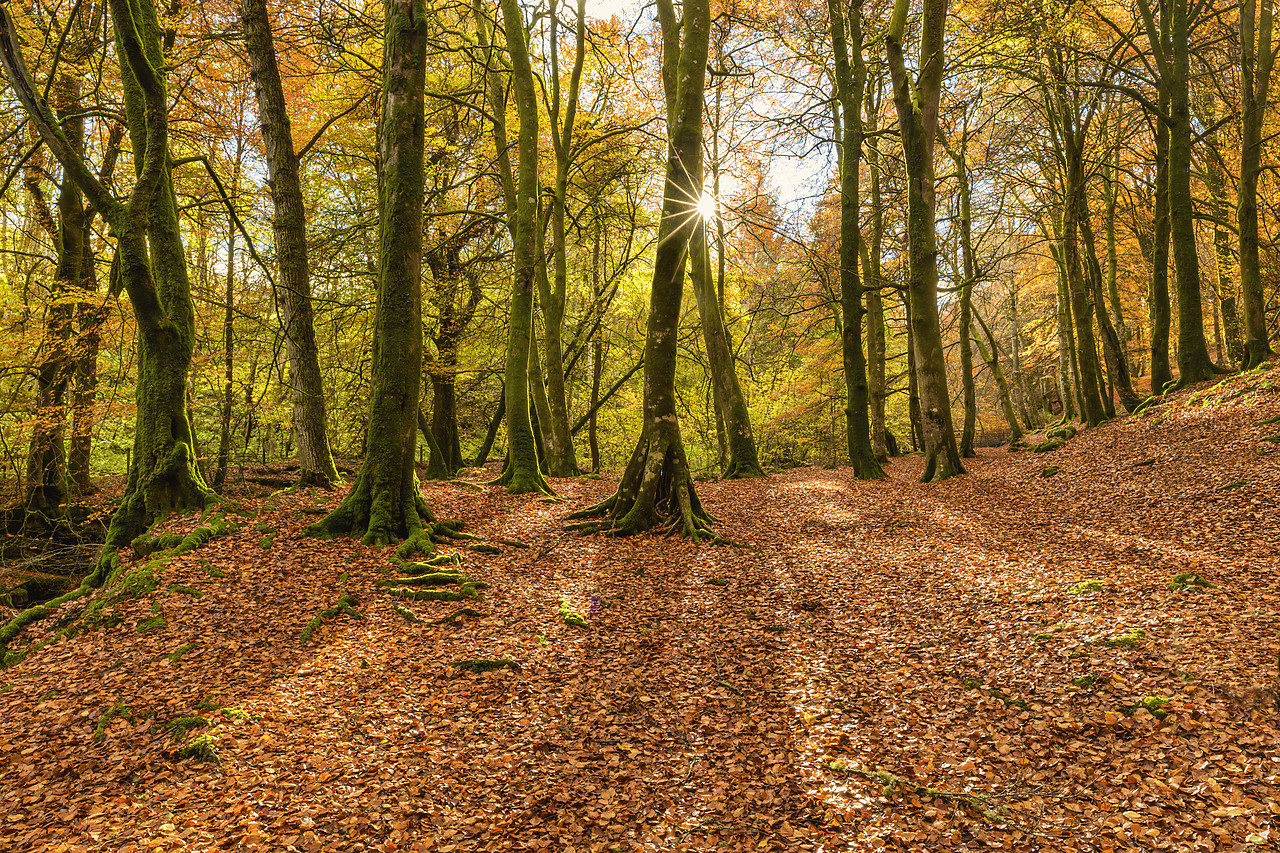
pixel 707 207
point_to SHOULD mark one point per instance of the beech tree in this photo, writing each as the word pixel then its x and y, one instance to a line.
pixel 163 475
pixel 657 490
pixel 917 104
pixel 384 504
pixel 293 287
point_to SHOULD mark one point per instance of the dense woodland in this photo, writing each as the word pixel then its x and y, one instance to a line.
pixel 420 271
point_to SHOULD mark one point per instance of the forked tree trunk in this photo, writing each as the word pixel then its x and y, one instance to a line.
pixel 293 288
pixel 384 504
pixel 917 105
pixel 656 490
pixel 851 79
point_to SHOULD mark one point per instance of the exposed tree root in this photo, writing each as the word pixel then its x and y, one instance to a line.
pixel 456 615
pixel 346 603
pixel 522 480
pixel 571 616
pixel 992 813
pixel 656 493
pixel 408 614
pixel 486 665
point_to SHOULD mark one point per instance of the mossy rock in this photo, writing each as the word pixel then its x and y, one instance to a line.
pixel 1048 471
pixel 1127 640
pixel 1062 433
pixel 1154 705
pixel 489 665
pixel 1048 446
pixel 1192 581
pixel 1085 586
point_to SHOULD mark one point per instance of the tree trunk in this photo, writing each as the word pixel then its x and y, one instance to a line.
pixel 875 302
pixel 1112 348
pixel 969 272
pixel 917 105
pixel 1257 55
pixel 384 504
pixel 293 287
pixel 1161 320
pixel 997 374
pixel 228 344
pixel 851 78
pixel 656 489
pixel 1066 341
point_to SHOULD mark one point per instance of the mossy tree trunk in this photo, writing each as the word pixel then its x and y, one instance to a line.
pixel 851 80
pixel 656 490
pixel 1257 57
pixel 561 461
pixel 163 475
pixel 293 287
pixel 992 359
pixel 1161 312
pixel 917 105
pixel 1112 347
pixel 522 469
pixel 384 504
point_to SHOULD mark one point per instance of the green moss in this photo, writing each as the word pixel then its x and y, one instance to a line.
pixel 179 728
pixel 1086 680
pixel 408 614
pixel 433 579
pixel 1227 487
pixel 1042 638
pixel 571 616
pixel 1048 470
pixel 183 589
pixel 267 541
pixel 485 548
pixel 1127 640
pixel 1085 586
pixel 176 655
pixel 1157 707
pixel 456 615
pixel 717 582
pixel 1192 581
pixel 346 603
pixel 486 665
pixel 211 570
pixel 1048 446
pixel 1009 701
pixel 971 683
pixel 468 592
pixel 119 709
pixel 203 748
pixel 151 623
pixel 774 629
pixel 208 705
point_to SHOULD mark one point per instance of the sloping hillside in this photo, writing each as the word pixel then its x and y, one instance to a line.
pixel 994 661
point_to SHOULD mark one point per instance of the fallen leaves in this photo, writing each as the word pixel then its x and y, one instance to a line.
pixel 924 632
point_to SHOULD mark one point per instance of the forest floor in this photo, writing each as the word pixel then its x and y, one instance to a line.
pixel 869 642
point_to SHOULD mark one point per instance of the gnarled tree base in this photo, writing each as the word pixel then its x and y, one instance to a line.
pixel 522 480
pixel 656 494
pixel 943 464
pixel 381 518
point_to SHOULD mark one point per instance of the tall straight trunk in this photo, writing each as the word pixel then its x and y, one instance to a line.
pixel 1194 364
pixel 293 287
pixel 562 462
pixel 597 362
pixel 968 271
pixel 47 486
pixel 851 78
pixel 730 402
pixel 875 302
pixel 384 504
pixel 1082 312
pixel 228 362
pixel 1066 342
pixel 1161 319
pixel 522 470
pixel 1257 56
pixel 917 105
pixel 656 490
pixel 1112 348
pixel 914 419
pixel 1110 189
pixel 992 359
